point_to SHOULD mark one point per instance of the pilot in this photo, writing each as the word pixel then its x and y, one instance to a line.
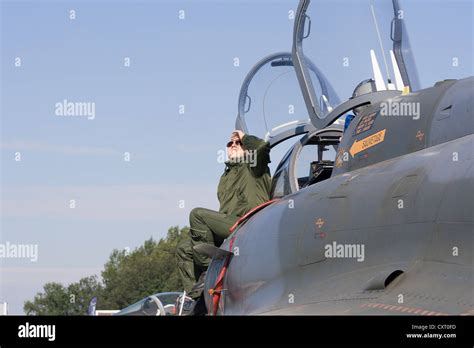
pixel 245 184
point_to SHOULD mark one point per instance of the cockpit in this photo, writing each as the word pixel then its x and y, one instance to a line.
pixel 271 106
pixel 309 161
pixel 287 99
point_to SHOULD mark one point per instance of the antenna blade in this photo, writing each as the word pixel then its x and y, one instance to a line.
pixel 379 84
pixel 396 71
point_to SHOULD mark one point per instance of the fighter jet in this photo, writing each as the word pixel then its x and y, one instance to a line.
pixel 382 221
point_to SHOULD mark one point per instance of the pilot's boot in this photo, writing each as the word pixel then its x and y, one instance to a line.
pixel 198 287
pixel 197 294
pixel 199 307
pixel 190 307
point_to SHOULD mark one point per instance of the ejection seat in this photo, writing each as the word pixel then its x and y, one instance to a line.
pixel 319 171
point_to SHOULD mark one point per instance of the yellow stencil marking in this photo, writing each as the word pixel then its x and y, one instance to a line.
pixel 368 142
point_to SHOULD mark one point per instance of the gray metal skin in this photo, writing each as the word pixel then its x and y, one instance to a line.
pixel 418 259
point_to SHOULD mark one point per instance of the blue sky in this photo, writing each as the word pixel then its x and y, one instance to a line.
pixel 174 62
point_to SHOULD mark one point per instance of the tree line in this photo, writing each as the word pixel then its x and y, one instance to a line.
pixel 127 277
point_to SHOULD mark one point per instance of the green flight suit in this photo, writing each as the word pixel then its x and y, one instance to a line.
pixel 244 185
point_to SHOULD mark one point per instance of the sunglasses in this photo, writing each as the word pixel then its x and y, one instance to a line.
pixel 238 143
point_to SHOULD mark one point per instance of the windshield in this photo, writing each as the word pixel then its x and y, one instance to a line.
pixel 132 309
pixel 340 34
pixel 168 298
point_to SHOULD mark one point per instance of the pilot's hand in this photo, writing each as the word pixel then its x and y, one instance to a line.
pixel 239 133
